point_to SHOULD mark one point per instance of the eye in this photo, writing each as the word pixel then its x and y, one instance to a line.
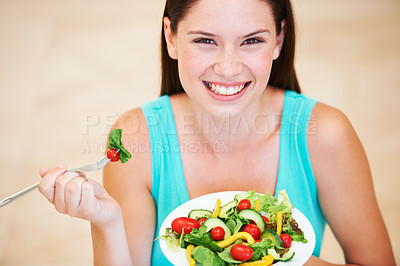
pixel 204 40
pixel 253 41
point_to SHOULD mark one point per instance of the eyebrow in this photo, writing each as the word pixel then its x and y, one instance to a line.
pixel 213 35
pixel 257 32
pixel 202 33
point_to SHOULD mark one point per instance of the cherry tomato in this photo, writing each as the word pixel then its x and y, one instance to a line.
pixel 113 155
pixel 244 204
pixel 201 221
pixel 287 240
pixel 266 220
pixel 253 230
pixel 185 223
pixel 241 252
pixel 218 233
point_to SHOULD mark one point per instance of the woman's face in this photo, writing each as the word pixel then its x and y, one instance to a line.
pixel 225 51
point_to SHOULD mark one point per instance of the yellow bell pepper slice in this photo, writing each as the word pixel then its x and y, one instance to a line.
pixel 189 250
pixel 269 259
pixel 243 235
pixel 279 222
pixel 265 261
pixel 217 209
pixel 257 205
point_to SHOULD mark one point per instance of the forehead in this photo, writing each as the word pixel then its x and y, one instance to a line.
pixel 228 15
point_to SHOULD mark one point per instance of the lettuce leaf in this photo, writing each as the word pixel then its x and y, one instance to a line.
pixel 292 228
pixel 283 199
pixel 260 249
pixel 268 204
pixel 235 223
pixel 171 238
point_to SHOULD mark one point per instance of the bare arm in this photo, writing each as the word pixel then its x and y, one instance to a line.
pixel 110 245
pixel 345 191
pixel 130 185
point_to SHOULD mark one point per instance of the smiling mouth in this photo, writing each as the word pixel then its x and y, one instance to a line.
pixel 225 90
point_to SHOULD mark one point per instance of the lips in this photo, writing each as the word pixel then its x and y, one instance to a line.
pixel 226 89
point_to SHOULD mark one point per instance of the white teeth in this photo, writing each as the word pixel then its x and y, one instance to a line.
pixel 223 90
pixel 231 90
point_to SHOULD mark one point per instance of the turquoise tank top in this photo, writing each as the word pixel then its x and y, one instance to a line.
pixel 295 173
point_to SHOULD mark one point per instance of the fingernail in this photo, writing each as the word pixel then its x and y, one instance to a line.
pixel 62 166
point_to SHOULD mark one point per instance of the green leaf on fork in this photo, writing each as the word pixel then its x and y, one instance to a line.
pixel 115 142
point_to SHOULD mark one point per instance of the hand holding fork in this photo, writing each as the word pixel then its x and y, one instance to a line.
pixel 72 193
pixel 93 167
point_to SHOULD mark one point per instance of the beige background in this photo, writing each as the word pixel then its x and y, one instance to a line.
pixel 68 68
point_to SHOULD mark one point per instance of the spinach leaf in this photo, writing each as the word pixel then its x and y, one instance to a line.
pixel 115 142
pixel 206 257
pixel 227 257
pixel 200 237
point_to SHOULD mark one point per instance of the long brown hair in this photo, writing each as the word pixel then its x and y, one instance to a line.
pixel 283 74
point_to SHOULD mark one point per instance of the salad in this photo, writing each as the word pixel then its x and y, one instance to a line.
pixel 252 229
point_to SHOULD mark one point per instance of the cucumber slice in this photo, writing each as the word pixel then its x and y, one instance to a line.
pixel 199 213
pixel 227 209
pixel 273 236
pixel 286 257
pixel 210 223
pixel 253 215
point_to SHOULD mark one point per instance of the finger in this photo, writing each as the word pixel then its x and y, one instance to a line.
pixel 88 197
pixel 47 184
pixel 59 192
pixel 99 190
pixel 73 193
pixel 43 172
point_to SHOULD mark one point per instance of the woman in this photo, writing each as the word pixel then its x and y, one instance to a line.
pixel 228 78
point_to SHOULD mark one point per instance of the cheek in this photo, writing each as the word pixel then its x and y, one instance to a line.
pixel 261 66
pixel 191 66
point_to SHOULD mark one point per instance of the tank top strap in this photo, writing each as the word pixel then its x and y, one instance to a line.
pixel 165 150
pixel 296 124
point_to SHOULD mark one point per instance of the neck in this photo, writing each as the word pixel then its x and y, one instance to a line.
pixel 257 122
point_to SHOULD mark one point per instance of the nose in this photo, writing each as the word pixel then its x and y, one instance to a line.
pixel 228 62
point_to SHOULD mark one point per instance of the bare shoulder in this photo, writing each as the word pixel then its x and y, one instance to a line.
pixel 135 138
pixel 333 143
pixel 331 126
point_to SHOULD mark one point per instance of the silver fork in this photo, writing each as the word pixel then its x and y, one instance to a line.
pixel 93 167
